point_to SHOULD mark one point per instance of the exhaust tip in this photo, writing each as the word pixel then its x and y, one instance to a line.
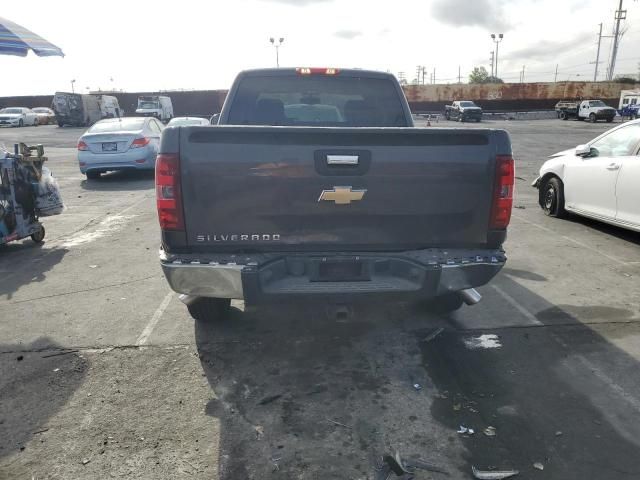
pixel 470 296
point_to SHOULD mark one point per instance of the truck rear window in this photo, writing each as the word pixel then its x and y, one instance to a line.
pixel 317 101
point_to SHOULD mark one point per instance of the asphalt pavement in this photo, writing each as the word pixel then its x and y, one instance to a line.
pixel 103 374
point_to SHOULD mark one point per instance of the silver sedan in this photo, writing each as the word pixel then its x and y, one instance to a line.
pixel 129 143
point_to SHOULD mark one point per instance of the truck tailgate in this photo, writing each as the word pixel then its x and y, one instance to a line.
pixel 336 189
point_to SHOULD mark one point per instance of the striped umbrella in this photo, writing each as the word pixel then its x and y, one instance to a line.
pixel 17 40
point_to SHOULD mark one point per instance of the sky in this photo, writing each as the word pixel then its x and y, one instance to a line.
pixel 143 45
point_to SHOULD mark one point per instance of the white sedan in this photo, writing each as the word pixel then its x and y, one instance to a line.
pixel 600 179
pixel 18 116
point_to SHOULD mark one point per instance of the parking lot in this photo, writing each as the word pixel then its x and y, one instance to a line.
pixel 103 374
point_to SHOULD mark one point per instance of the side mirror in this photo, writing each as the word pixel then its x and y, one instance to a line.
pixel 583 150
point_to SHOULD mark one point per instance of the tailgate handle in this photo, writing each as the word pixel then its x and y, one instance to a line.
pixel 342 159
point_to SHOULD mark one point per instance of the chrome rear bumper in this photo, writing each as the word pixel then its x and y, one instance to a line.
pixel 422 273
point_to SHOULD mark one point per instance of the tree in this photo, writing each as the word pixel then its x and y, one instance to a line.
pixel 625 79
pixel 478 75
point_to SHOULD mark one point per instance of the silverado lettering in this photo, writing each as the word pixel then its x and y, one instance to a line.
pixel 262 237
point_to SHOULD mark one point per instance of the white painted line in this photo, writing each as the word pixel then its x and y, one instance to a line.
pixel 514 303
pixel 148 330
pixel 572 240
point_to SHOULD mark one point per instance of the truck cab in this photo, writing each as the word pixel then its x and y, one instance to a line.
pixel 594 110
pixel 155 106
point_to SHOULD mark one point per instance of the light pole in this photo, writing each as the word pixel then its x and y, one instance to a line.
pixel 72 82
pixel 277 45
pixel 496 41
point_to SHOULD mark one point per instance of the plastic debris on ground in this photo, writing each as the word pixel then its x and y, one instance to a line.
pixel 490 431
pixel 402 467
pixel 493 474
pixel 465 430
pixel 538 466
pixel 433 334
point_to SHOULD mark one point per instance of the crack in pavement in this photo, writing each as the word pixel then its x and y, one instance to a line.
pixel 127 282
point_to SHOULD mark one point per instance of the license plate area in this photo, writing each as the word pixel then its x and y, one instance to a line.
pixel 340 270
pixel 109 147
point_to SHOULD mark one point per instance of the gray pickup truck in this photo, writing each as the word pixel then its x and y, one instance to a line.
pixel 315 182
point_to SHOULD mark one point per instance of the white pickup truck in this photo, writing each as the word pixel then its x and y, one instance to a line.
pixel 593 110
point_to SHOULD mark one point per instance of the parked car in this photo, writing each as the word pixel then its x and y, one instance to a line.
pixel 598 180
pixel 128 143
pixel 155 106
pixel 45 115
pixel 463 111
pixel 592 110
pixel 266 207
pixel 18 117
pixel 184 121
pixel 76 109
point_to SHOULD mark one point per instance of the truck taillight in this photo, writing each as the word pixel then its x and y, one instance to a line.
pixel 503 193
pixel 168 193
pixel 317 71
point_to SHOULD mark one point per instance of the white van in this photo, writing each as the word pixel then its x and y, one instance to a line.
pixel 109 106
pixel 155 106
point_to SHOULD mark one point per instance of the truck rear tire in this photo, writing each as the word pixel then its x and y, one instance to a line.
pixel 209 310
pixel 592 118
pixel 445 303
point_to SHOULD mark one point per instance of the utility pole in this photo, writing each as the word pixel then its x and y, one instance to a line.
pixel 459 76
pixel 434 75
pixel 492 61
pixel 522 75
pixel 497 42
pixel 555 79
pixel 424 72
pixel 277 45
pixel 72 89
pixel 620 15
pixel 595 73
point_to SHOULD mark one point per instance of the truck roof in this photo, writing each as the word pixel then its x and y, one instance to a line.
pixel 345 72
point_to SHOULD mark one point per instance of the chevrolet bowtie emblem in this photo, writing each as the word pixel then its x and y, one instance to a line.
pixel 342 195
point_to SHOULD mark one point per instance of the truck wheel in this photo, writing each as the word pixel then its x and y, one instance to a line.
pixel 592 117
pixel 60 124
pixel 563 116
pixel 552 198
pixel 609 120
pixel 38 237
pixel 209 310
pixel 460 119
pixel 445 303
